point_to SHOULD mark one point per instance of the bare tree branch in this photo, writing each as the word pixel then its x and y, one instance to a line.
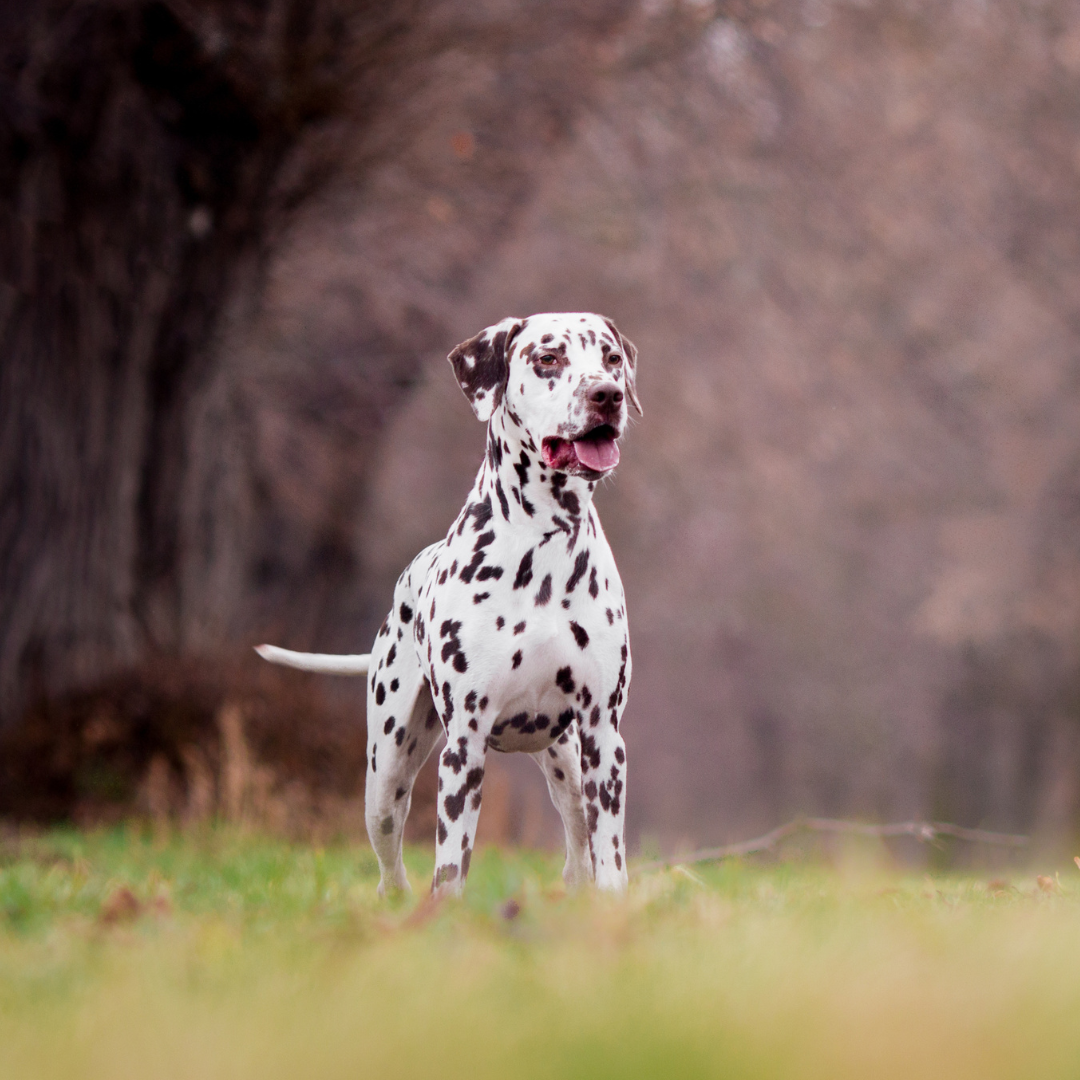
pixel 924 831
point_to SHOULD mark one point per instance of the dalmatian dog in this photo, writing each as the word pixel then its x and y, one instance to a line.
pixel 511 633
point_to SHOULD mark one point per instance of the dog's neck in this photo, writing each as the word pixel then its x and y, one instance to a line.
pixel 536 498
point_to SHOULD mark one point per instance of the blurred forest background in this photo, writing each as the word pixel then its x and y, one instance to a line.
pixel 238 238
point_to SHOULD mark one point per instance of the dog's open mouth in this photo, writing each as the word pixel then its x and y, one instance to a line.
pixel 596 451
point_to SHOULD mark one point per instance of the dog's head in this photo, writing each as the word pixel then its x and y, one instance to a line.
pixel 565 379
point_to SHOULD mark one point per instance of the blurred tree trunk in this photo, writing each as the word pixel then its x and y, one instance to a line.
pixel 148 153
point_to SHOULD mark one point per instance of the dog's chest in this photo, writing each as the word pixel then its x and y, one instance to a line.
pixel 546 635
pixel 539 680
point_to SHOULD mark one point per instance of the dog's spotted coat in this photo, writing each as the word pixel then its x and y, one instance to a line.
pixel 511 634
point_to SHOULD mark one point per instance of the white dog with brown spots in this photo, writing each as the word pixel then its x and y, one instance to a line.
pixel 511 634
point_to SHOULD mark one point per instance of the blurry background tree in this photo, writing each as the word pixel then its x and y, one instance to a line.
pixel 238 240
pixel 165 494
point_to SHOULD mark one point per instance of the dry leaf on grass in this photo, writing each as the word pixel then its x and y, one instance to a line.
pixel 121 905
pixel 424 912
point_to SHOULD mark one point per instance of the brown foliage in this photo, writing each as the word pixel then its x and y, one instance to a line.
pixel 188 742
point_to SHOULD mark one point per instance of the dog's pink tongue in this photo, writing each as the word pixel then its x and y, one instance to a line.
pixel 597 454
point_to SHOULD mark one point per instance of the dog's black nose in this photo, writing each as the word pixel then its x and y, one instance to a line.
pixel 606 395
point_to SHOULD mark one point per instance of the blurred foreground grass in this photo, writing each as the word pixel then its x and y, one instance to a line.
pixel 232 956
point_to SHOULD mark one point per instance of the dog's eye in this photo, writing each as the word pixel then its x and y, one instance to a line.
pixel 614 359
pixel 548 359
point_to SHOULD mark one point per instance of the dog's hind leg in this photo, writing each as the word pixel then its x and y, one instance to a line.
pixel 403 727
pixel 561 766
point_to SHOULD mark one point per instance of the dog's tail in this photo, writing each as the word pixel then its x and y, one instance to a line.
pixel 327 663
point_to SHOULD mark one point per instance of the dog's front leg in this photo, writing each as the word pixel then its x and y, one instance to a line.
pixel 461 776
pixel 603 785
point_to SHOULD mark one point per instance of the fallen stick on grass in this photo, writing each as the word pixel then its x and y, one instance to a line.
pixel 925 831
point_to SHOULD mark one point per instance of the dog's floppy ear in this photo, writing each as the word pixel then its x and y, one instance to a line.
pixel 482 366
pixel 630 355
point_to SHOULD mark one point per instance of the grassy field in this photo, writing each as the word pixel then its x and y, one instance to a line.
pixel 232 956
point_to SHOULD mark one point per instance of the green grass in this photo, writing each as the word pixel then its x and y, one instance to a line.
pixel 246 957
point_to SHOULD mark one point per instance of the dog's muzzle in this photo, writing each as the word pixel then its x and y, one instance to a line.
pixel 593 453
